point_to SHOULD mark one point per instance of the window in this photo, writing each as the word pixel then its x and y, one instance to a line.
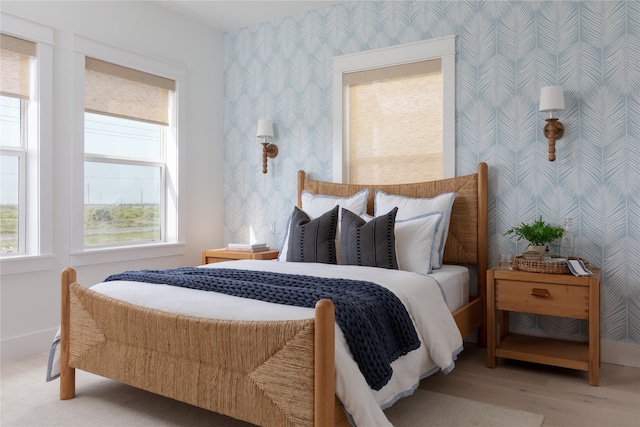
pixel 25 145
pixel 126 124
pixel 394 114
pixel 394 122
pixel 128 196
pixel 17 58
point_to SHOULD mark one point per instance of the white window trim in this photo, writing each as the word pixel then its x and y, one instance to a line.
pixel 443 48
pixel 39 241
pixel 174 243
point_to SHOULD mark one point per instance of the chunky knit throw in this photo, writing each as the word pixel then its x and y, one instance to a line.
pixel 375 323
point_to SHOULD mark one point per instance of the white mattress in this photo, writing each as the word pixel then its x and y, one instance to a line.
pixel 454 282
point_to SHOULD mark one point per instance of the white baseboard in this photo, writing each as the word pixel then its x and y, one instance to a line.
pixel 619 353
pixel 25 345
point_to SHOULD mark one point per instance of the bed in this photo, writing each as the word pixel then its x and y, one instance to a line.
pixel 266 372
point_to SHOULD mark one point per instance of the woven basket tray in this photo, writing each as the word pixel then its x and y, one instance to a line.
pixel 534 266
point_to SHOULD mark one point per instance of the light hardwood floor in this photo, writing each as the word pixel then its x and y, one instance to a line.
pixel 563 396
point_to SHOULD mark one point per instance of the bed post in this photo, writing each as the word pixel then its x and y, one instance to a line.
pixel 301 178
pixel 483 246
pixel 324 364
pixel 67 374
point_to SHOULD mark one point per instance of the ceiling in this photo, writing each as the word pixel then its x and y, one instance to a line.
pixel 231 15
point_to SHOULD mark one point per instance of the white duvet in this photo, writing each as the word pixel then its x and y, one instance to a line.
pixel 439 336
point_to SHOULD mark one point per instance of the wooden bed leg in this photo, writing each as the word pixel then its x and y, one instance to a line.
pixel 67 374
pixel 324 355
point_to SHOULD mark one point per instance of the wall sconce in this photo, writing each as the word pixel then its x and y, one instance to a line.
pixel 265 130
pixel 552 99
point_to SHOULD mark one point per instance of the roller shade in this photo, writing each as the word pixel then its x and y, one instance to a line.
pixel 119 91
pixel 394 72
pixel 395 123
pixel 15 55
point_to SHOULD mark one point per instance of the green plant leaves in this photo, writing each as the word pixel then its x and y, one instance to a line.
pixel 536 233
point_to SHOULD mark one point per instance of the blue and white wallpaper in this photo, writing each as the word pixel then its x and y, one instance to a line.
pixel 506 51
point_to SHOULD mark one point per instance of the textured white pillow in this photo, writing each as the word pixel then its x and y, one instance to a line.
pixel 315 205
pixel 410 207
pixel 415 242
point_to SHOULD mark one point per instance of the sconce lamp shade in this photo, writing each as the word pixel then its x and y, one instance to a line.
pixel 265 128
pixel 551 99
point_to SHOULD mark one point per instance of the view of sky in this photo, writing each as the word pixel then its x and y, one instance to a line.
pixel 9 139
pixel 108 183
pixel 105 183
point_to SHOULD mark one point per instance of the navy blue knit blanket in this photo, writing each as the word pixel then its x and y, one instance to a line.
pixel 375 323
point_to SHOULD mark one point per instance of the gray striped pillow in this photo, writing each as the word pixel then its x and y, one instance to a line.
pixel 313 240
pixel 370 243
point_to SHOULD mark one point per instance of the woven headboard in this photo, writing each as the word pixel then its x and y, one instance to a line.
pixel 467 242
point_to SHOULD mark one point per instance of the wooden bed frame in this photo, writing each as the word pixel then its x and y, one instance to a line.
pixel 270 373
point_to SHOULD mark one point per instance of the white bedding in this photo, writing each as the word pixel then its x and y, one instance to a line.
pixel 422 296
pixel 454 281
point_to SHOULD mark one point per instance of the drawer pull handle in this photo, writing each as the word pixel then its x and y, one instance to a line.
pixel 536 292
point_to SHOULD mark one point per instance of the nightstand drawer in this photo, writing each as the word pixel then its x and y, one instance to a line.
pixel 543 298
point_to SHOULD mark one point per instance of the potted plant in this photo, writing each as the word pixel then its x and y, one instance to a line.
pixel 538 234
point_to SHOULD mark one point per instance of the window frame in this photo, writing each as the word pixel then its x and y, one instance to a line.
pixel 173 242
pixel 38 168
pixel 442 48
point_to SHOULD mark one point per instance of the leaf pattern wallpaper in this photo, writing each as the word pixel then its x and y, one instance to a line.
pixel 505 52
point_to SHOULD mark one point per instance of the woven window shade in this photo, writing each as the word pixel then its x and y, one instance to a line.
pixel 119 91
pixel 15 55
pixel 395 124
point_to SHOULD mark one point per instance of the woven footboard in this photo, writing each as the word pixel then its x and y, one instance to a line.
pixel 270 373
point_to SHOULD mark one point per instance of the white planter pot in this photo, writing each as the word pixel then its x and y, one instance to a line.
pixel 537 248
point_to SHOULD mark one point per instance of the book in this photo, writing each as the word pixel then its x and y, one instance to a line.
pixel 249 250
pixel 247 246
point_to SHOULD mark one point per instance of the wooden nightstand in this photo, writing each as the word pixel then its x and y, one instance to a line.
pixel 563 295
pixel 218 255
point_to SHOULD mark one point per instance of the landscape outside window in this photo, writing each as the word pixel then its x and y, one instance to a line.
pixel 11 159
pixel 123 183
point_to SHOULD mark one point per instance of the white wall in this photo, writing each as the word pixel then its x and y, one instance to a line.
pixel 30 302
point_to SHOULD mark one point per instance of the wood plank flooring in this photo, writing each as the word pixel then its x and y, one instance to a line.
pixel 563 396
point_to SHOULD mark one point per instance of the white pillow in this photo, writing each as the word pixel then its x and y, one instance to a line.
pixel 315 205
pixel 415 241
pixel 410 207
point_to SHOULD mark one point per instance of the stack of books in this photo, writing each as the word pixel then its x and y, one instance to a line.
pixel 248 247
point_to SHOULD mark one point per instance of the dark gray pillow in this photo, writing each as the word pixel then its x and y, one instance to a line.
pixel 313 240
pixel 370 243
